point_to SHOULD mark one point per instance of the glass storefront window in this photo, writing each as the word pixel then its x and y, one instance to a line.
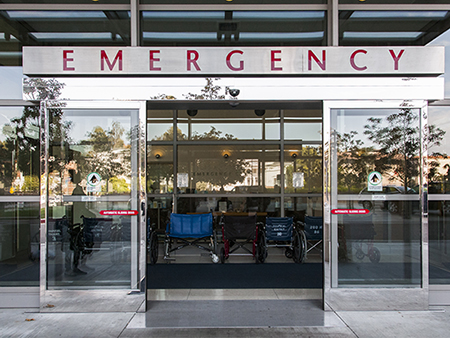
pixel 303 169
pixel 303 125
pixel 377 170
pixel 159 169
pixel 19 244
pixel 228 125
pixel 60 28
pixel 245 169
pixel 160 125
pixel 263 206
pixel 235 28
pixel 19 151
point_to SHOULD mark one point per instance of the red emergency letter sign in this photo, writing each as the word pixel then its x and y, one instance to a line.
pixel 192 58
pixel 352 59
pixel 274 59
pixel 66 60
pixel 104 58
pixel 396 58
pixel 154 59
pixel 241 63
pixel 311 56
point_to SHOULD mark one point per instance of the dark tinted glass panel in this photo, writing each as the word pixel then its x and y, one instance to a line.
pixel 65 2
pixel 19 244
pixel 233 28
pixel 393 2
pixel 444 40
pixel 19 151
pixel 232 124
pixel 60 28
pixel 375 28
pixel 231 2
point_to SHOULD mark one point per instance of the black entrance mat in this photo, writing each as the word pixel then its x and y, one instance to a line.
pixel 234 276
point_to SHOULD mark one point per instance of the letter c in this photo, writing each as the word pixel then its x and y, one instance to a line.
pixel 352 60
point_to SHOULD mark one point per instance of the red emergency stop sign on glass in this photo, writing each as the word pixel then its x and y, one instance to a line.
pixel 119 212
pixel 349 211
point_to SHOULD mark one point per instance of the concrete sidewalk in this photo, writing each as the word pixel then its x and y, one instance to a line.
pixel 434 323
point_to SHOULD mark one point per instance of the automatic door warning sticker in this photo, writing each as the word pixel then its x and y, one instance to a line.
pixel 374 181
pixel 94 181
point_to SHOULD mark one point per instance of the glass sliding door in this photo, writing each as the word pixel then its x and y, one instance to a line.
pixel 254 159
pixel 374 201
pixel 91 195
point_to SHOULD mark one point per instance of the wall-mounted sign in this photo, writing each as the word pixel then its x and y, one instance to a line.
pixel 374 181
pixel 232 61
pixel 119 212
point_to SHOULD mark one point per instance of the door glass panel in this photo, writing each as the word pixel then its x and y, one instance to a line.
pixel 438 196
pixel 376 171
pixel 92 168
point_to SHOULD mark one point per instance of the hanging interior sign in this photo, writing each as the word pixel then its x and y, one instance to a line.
pixel 374 181
pixel 183 180
pixel 298 180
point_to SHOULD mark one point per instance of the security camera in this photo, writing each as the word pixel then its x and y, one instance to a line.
pixel 260 112
pixel 234 92
pixel 192 112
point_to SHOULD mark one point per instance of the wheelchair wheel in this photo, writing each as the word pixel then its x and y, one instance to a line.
pixel 262 254
pixel 289 253
pixel 222 255
pixel 214 248
pixel 257 254
pixel 374 255
pixel 298 247
pixel 153 248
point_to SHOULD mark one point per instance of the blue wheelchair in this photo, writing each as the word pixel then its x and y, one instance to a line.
pixel 281 232
pixel 190 230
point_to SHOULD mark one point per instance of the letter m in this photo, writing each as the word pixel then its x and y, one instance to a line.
pixel 104 58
